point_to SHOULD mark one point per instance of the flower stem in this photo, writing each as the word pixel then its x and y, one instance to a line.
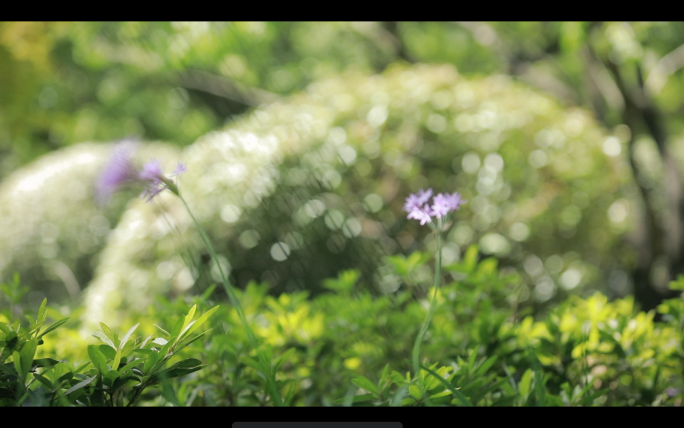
pixel 426 323
pixel 226 284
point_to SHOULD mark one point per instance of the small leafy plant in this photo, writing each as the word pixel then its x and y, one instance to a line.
pixel 118 371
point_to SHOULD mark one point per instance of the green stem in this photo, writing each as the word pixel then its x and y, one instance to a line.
pixel 426 323
pixel 226 285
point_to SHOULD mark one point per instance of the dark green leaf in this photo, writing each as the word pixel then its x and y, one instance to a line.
pixel 80 385
pixel 45 381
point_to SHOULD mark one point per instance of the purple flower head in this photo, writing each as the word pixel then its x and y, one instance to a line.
pixel 417 200
pixel 151 171
pixel 121 171
pixel 422 214
pixel 442 204
pixel 180 169
pixel 454 200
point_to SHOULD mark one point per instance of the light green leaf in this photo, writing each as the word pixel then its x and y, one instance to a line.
pixel 163 331
pixel 365 383
pixel 108 332
pixel 103 338
pixel 127 336
pixel 160 341
pixel 42 312
pixel 53 327
pixel 415 392
pixel 201 320
pixel 525 383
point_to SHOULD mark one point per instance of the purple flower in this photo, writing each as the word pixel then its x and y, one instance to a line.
pixel 119 172
pixel 180 168
pixel 442 204
pixel 417 200
pixel 152 171
pixel 122 171
pixel 422 214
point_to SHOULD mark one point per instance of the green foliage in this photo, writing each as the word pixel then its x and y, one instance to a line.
pixel 349 347
pixel 117 373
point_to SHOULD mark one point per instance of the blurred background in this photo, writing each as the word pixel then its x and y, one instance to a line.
pixel 565 138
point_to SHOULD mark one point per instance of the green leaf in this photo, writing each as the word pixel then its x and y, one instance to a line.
pixel 470 258
pixel 485 366
pixel 365 383
pixel 186 321
pixel 16 360
pixel 525 383
pixel 80 369
pixel 52 327
pixel 97 358
pixel 207 292
pixel 415 392
pixel 185 329
pixel 132 364
pixel 117 358
pixel 66 377
pixel 160 341
pixel 45 381
pixel 385 372
pixel 184 344
pixel 159 358
pixel 163 331
pixel 110 377
pixel 126 337
pixel 201 320
pixel 42 312
pixel 172 373
pixel 108 332
pixel 188 362
pixel 399 396
pixel 80 385
pixel 31 329
pixel 28 351
pixel 151 361
pixel 458 394
pixel 107 351
pixel 44 362
pixel 177 328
